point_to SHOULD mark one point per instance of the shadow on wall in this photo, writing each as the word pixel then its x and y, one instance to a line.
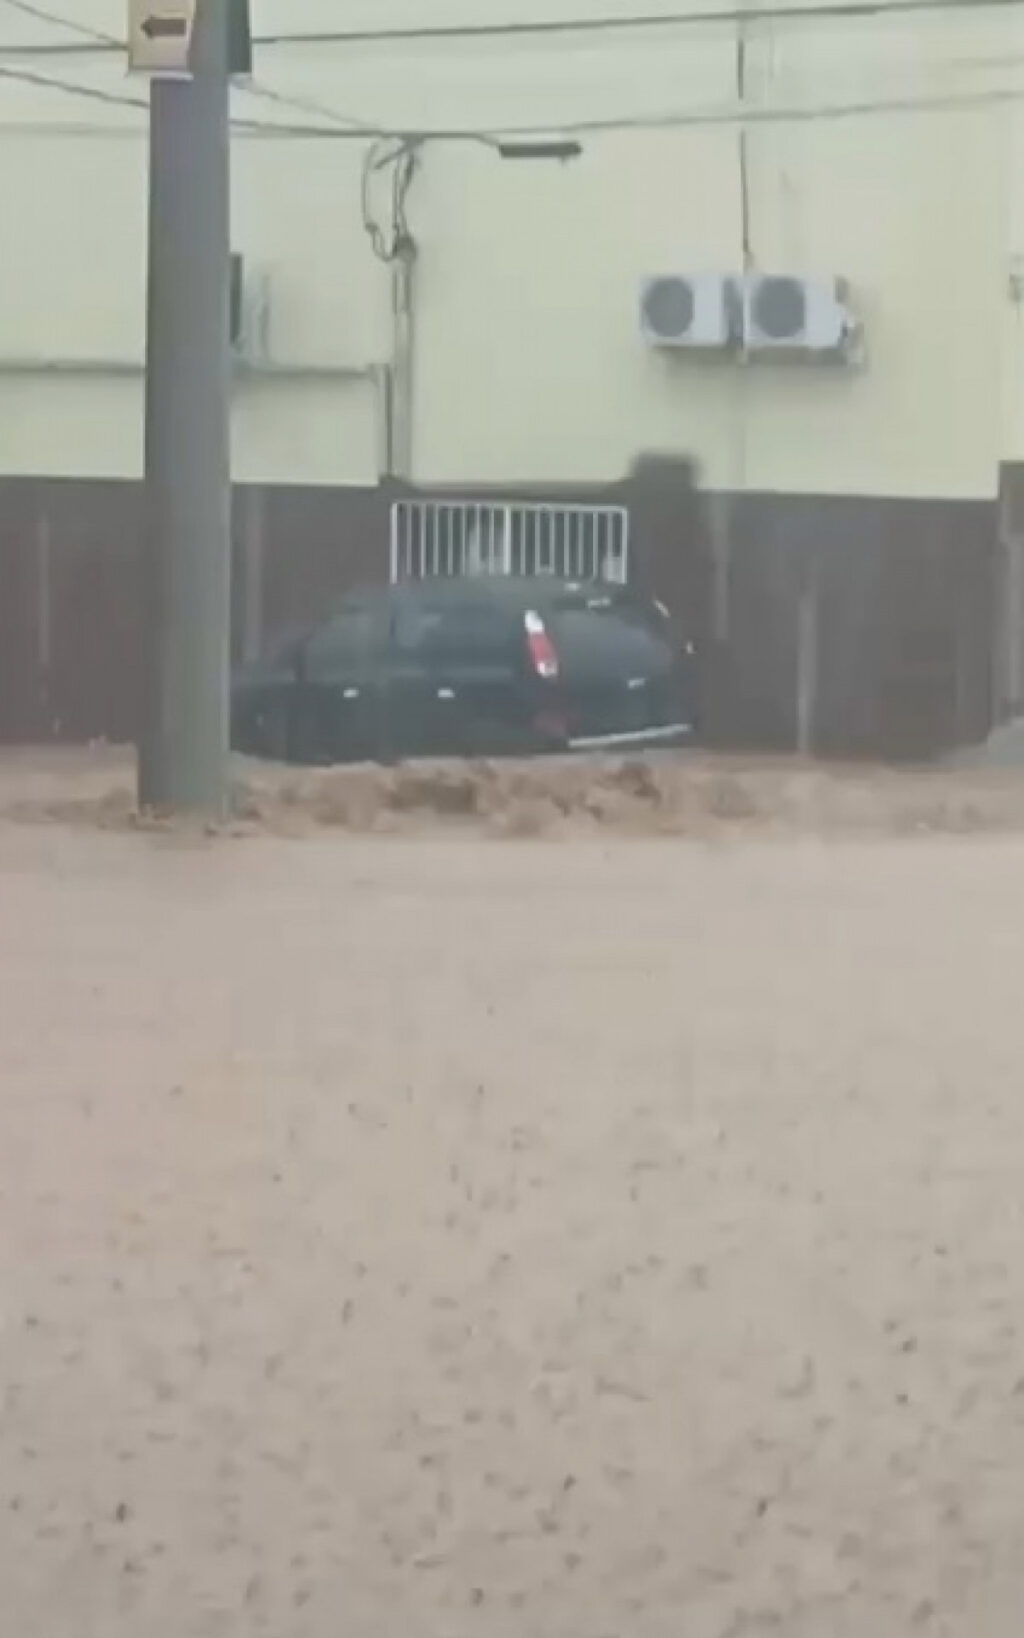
pixel 841 626
pixel 862 626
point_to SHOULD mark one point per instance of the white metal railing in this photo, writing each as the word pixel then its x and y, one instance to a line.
pixel 432 539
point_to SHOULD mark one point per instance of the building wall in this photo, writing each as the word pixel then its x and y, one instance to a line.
pixel 527 360
pixel 855 505
pixel 530 361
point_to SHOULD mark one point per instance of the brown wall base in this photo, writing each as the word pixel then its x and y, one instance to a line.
pixel 889 603
pixel 853 626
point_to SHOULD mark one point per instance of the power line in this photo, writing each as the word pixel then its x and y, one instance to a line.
pixel 75 48
pixel 305 105
pixel 71 88
pixel 118 99
pixel 738 117
pixel 95 41
pixel 344 127
pixel 733 116
pixel 750 14
pixel 43 14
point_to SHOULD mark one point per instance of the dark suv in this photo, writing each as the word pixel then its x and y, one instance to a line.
pixel 471 667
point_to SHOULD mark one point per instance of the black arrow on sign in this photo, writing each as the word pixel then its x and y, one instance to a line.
pixel 164 28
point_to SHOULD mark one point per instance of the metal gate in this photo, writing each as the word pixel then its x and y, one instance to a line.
pixel 444 538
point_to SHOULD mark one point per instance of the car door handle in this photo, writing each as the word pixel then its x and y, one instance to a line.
pixel 446 693
pixel 351 694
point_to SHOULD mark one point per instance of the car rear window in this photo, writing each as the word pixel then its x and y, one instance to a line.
pixel 454 633
pixel 602 627
pixel 612 604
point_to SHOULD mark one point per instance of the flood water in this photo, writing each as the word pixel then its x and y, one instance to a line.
pixel 476 1237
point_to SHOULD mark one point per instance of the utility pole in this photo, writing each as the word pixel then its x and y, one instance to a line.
pixel 183 751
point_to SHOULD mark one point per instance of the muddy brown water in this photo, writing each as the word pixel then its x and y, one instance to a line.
pixel 455 1234
pixel 670 794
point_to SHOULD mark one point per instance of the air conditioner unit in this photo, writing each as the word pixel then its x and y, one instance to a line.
pixel 786 314
pixel 690 310
pixel 250 310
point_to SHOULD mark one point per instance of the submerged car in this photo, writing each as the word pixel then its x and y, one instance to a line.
pixel 471 667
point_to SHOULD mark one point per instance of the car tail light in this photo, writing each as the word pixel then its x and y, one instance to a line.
pixel 542 649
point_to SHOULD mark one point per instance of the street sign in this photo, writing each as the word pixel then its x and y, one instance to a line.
pixel 160 36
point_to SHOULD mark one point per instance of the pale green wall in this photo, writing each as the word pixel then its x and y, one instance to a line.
pixel 528 359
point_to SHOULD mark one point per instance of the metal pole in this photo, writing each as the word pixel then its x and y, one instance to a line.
pixel 807 660
pixel 183 752
pixel 254 545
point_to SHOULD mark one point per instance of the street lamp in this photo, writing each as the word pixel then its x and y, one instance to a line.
pixel 552 148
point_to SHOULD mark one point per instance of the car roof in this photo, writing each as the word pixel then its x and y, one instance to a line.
pixel 519 591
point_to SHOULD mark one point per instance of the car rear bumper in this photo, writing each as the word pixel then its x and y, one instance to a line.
pixel 639 739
